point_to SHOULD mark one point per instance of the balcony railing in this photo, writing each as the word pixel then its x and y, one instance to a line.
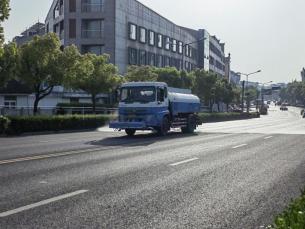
pixel 92 7
pixel 92 33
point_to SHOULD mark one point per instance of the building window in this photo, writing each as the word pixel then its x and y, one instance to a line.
pixel 92 28
pixel 167 61
pixel 132 32
pixel 72 6
pixel 142 57
pixel 72 28
pixel 180 47
pixel 132 56
pixel 187 50
pixel 190 52
pixel 10 102
pixel 142 33
pixel 160 41
pixel 159 61
pixel 95 49
pixel 174 47
pixel 92 5
pixel 151 38
pixel 167 43
pixel 151 59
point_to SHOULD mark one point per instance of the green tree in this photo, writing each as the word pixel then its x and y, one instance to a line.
pixel 41 67
pixel 294 93
pixel 96 75
pixel 4 14
pixel 140 74
pixel 187 80
pixel 236 94
pixel 9 63
pixel 169 75
pixel 204 86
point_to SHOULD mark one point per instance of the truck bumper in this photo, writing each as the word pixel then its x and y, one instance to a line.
pixel 128 125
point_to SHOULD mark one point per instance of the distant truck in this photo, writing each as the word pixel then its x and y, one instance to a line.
pixel 155 106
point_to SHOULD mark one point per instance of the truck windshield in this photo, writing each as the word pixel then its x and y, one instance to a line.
pixel 138 94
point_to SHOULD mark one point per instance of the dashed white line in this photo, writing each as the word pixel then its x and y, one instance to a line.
pixel 185 161
pixel 239 146
pixel 268 137
pixel 41 203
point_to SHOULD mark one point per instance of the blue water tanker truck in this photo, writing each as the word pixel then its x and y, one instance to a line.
pixel 155 106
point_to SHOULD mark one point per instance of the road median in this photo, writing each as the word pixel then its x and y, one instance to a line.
pixel 221 117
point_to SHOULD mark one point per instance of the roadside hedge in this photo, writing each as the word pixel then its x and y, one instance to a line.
pixel 4 123
pixel 219 117
pixel 23 124
pixel 293 216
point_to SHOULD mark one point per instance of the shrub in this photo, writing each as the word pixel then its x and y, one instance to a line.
pixel 22 124
pixel 293 216
pixel 214 117
pixel 4 123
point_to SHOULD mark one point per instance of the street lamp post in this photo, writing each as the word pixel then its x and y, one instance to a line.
pixel 247 75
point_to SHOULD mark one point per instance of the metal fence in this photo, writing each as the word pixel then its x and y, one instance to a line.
pixel 28 111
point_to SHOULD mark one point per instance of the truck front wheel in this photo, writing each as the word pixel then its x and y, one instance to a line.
pixel 164 128
pixel 130 132
pixel 191 125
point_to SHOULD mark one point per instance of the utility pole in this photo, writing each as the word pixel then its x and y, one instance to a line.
pixel 242 96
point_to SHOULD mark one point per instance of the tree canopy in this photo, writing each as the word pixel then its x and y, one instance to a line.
pixel 9 63
pixel 4 14
pixel 41 65
pixel 94 75
pixel 294 93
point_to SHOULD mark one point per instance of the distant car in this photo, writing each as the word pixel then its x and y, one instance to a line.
pixel 268 102
pixel 283 108
pixel 263 110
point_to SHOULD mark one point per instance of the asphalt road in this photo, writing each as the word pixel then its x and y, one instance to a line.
pixel 237 174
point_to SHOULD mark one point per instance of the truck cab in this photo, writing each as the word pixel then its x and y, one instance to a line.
pixel 153 106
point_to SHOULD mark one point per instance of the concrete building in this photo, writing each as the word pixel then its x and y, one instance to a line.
pixel 303 74
pixel 133 34
pixel 28 34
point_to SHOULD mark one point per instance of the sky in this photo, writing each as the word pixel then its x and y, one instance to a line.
pixel 267 35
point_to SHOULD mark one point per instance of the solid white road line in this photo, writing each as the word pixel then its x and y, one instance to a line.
pixel 39 157
pixel 41 203
pixel 239 146
pixel 268 137
pixel 185 161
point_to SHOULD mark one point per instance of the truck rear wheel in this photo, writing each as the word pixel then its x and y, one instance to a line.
pixel 164 128
pixel 130 132
pixel 191 125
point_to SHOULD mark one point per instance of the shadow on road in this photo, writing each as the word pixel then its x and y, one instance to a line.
pixel 143 139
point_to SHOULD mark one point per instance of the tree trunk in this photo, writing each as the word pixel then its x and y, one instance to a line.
pixel 93 98
pixel 39 95
pixel 36 102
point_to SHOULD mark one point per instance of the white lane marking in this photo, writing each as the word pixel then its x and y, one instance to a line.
pixel 39 157
pixel 268 137
pixel 239 146
pixel 41 203
pixel 185 161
